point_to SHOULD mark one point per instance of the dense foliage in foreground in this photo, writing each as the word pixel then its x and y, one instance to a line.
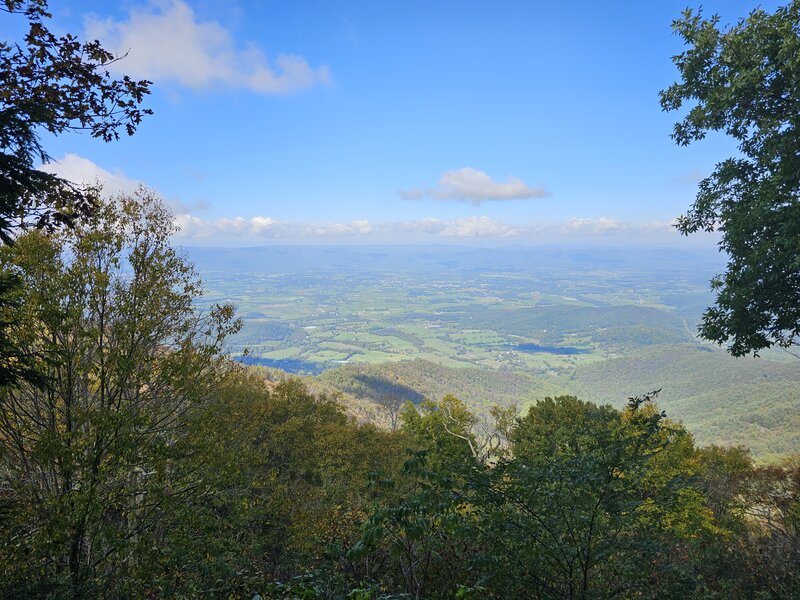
pixel 144 464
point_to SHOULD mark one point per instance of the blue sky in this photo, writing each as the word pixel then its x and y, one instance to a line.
pixel 367 122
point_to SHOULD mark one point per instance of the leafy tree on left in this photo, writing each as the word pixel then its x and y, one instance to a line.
pixel 89 459
pixel 49 84
pixel 54 84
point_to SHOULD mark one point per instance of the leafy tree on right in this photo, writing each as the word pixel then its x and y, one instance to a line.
pixel 744 80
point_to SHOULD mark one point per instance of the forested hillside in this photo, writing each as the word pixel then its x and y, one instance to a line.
pixel 417 380
pixel 721 399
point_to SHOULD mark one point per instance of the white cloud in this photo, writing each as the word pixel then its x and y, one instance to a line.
pixel 238 230
pixel 477 227
pixel 463 227
pixel 257 226
pixel 660 226
pixel 82 171
pixel 237 225
pixel 164 41
pixel 475 186
pixel 191 226
pixel 361 226
pixel 358 227
pixel 426 225
pixel 253 230
pixel 260 225
pixel 601 225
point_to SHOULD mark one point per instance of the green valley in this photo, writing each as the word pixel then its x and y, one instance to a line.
pixel 505 326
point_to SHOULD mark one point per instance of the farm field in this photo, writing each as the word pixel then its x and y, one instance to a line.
pixel 549 312
pixel 605 324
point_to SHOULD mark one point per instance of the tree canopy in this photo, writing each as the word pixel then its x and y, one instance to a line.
pixel 54 84
pixel 49 84
pixel 90 455
pixel 744 81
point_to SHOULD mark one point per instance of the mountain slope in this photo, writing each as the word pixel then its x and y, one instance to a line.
pixel 720 399
pixel 418 379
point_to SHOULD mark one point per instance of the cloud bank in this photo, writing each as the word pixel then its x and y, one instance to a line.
pixel 464 227
pixel 601 225
pixel 239 230
pixel 474 186
pixel 253 229
pixel 164 41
